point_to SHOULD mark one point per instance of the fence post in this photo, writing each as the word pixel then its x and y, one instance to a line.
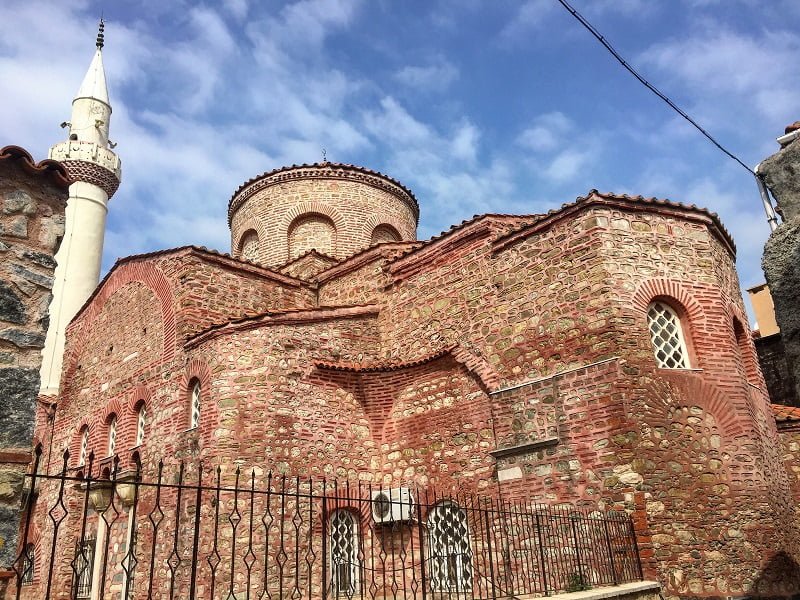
pixel 542 556
pixel 196 542
pixel 572 519
pixel 489 551
pixel 324 541
pixel 610 551
pixel 421 536
pixel 24 559
pixel 635 547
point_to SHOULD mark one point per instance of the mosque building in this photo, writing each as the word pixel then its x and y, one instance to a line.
pixel 597 356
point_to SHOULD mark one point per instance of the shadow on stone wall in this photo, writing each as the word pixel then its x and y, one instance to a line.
pixel 779 579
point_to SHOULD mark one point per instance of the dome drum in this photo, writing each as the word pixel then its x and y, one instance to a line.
pixel 332 208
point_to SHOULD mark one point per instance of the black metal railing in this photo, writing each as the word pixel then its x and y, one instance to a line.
pixel 190 532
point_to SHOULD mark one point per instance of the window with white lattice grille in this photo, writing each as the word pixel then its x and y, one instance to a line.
pixel 141 421
pixel 195 419
pixel 112 436
pixel 84 452
pixel 666 336
pixel 345 564
pixel 449 549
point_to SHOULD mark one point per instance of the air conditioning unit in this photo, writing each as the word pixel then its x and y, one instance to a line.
pixel 393 505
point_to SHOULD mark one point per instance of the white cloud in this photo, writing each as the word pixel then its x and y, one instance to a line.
pixel 529 15
pixel 567 164
pixel 435 77
pixel 547 133
pixel 718 62
pixel 464 144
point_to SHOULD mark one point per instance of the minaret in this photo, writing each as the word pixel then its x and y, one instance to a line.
pixel 95 170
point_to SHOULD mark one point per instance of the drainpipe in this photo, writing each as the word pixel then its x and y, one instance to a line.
pixel 772 218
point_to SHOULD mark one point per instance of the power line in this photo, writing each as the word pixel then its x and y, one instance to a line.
pixel 582 20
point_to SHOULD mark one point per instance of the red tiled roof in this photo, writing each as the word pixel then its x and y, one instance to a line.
pixel 512 221
pixel 296 315
pixel 785 413
pixel 307 253
pixel 53 168
pixel 244 265
pixel 633 201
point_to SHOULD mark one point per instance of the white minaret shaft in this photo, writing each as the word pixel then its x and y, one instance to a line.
pixel 95 170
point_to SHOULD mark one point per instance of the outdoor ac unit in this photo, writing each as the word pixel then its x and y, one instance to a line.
pixel 393 505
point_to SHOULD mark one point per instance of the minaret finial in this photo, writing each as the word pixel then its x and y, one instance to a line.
pixel 100 35
pixel 324 156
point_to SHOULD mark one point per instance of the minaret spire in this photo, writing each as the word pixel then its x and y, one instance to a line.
pixel 100 34
pixel 95 170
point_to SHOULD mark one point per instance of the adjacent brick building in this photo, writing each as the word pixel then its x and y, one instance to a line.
pixel 596 356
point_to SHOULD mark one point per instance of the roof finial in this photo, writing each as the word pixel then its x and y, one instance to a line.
pixel 100 35
pixel 324 156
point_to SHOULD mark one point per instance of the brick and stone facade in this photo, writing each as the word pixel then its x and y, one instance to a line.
pixel 509 357
pixel 33 198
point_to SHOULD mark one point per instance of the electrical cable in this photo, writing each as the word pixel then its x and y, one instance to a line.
pixel 582 20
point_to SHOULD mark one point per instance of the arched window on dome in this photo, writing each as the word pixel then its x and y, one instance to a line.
pixel 385 233
pixel 312 231
pixel 194 406
pixel 667 337
pixel 345 565
pixel 449 548
pixel 248 246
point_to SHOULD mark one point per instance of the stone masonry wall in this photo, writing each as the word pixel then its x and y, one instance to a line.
pixel 775 368
pixel 32 203
pixel 518 367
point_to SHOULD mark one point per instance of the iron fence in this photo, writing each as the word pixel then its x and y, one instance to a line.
pixel 191 532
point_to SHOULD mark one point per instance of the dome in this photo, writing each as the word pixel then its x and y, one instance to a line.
pixel 336 209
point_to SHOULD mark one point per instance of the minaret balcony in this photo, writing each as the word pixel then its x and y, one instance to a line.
pixel 71 150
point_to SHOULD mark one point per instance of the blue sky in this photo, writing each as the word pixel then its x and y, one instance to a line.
pixel 477 107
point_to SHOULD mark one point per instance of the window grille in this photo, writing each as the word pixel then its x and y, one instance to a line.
pixel 195 421
pixel 112 436
pixel 667 337
pixel 345 565
pixel 84 447
pixel 140 423
pixel 84 566
pixel 449 549
pixel 28 564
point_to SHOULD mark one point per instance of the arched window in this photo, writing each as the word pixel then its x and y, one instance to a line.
pixel 345 565
pixel 449 549
pixel 141 421
pixel 83 453
pixel 385 233
pixel 312 231
pixel 744 345
pixel 248 246
pixel 194 419
pixel 112 435
pixel 28 564
pixel 666 335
